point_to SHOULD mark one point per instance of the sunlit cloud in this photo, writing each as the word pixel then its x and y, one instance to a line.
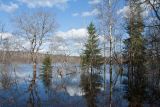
pixel 94 12
pixel 11 7
pixel 93 2
pixel 45 3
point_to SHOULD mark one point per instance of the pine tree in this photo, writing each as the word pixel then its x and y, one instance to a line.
pixel 134 55
pixel 91 61
pixel 91 57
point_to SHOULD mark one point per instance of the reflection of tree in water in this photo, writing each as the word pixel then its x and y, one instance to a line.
pixel 46 72
pixel 135 92
pixel 91 62
pixel 91 84
pixel 153 90
pixel 135 56
pixel 153 95
pixel 34 98
pixel 136 78
pixel 5 76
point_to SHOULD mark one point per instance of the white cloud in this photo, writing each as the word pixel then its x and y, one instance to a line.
pixel 9 40
pixel 11 7
pixel 94 12
pixel 69 42
pixel 124 11
pixel 93 2
pixel 75 14
pixel 44 3
pixel 73 34
pixel 5 35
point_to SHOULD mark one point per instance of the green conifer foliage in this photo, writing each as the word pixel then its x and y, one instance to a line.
pixel 135 55
pixel 46 71
pixel 91 57
pixel 91 61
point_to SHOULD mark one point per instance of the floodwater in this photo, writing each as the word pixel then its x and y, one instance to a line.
pixel 67 86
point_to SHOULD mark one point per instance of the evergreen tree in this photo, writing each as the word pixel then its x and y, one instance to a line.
pixel 91 57
pixel 91 61
pixel 135 55
pixel 46 71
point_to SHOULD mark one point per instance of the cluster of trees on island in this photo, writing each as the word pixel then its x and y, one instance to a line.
pixel 137 56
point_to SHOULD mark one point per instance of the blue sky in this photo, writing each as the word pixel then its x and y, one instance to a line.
pixel 69 13
pixel 72 16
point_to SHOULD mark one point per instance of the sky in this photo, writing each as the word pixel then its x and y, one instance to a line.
pixel 69 13
pixel 72 16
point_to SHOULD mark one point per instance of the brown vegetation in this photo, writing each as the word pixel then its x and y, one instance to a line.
pixel 24 57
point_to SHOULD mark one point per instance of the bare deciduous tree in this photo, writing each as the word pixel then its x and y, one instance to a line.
pixel 35 29
pixel 108 27
pixel 155 5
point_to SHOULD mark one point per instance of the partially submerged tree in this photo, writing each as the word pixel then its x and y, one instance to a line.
pixel 46 71
pixel 5 57
pixel 108 27
pixel 135 55
pixel 91 62
pixel 35 28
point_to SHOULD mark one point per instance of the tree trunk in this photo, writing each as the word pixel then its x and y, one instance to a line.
pixel 34 71
pixel 34 67
pixel 33 78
